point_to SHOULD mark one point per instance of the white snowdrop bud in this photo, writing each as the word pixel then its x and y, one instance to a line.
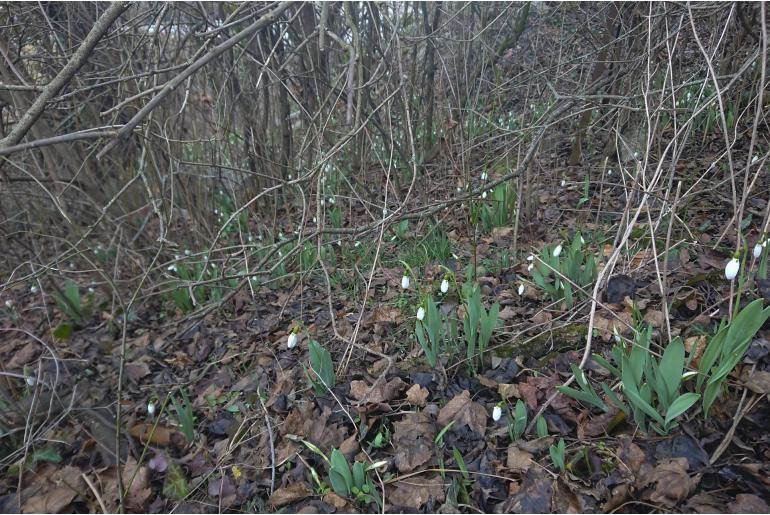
pixel 420 313
pixel 484 195
pixel 497 412
pixel 187 251
pixel 731 269
pixel 9 303
pixel 530 267
pixel 557 250
pixel 292 341
pixel 521 289
pixel 563 183
pixel 151 408
pixel 484 176
pixel 33 289
pixel 754 159
pixel 530 257
pixel 609 172
pixel 444 286
pixel 405 282
pixel 757 250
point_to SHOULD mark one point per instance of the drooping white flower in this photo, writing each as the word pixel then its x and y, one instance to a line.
pixel 521 289
pixel 757 250
pixel 497 412
pixel 444 286
pixel 30 380
pixel 484 176
pixel 33 288
pixel 731 269
pixel 91 289
pixel 530 257
pixel 405 282
pixel 151 408
pixel 557 250
pixel 187 251
pixel 420 313
pixel 484 195
pixel 609 172
pixel 530 267
pixel 563 183
pixel 9 303
pixel 754 159
pixel 292 341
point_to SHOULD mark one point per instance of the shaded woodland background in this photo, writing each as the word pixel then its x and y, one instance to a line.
pixel 175 161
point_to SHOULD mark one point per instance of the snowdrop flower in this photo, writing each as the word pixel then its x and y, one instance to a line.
pixel 757 250
pixel 582 241
pixel 357 244
pixel 30 380
pixel 563 183
pixel 484 195
pixel 187 251
pixel 420 313
pixel 331 200
pixel 33 289
pixel 530 267
pixel 636 155
pixel 315 220
pixel 405 282
pixel 216 211
pixel 497 412
pixel 754 159
pixel 609 172
pixel 557 250
pixel 9 303
pixel 521 289
pixel 484 175
pixel 292 341
pixel 444 285
pixel 151 408
pixel 459 188
pixel 90 289
pixel 171 268
pixel 530 257
pixel 731 270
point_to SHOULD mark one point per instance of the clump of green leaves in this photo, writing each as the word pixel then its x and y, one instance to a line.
pixel 651 387
pixel 430 331
pixel 576 263
pixel 321 374
pixel 726 349
pixel 352 482
pixel 478 324
pixel 500 207
pixel 557 454
pixel 70 302
pixel 517 422
pixel 184 414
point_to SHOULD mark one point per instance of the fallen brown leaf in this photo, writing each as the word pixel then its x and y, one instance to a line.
pixel 463 411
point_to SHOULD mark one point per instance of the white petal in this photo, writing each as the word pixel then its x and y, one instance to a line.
pixel 521 289
pixel 563 183
pixel 530 267
pixel 497 412
pixel 557 250
pixel 444 286
pixel 151 408
pixel 420 313
pixel 757 250
pixel 292 342
pixel 405 282
pixel 732 268
pixel 33 289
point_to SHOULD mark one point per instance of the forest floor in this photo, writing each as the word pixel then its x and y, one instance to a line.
pixel 238 427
